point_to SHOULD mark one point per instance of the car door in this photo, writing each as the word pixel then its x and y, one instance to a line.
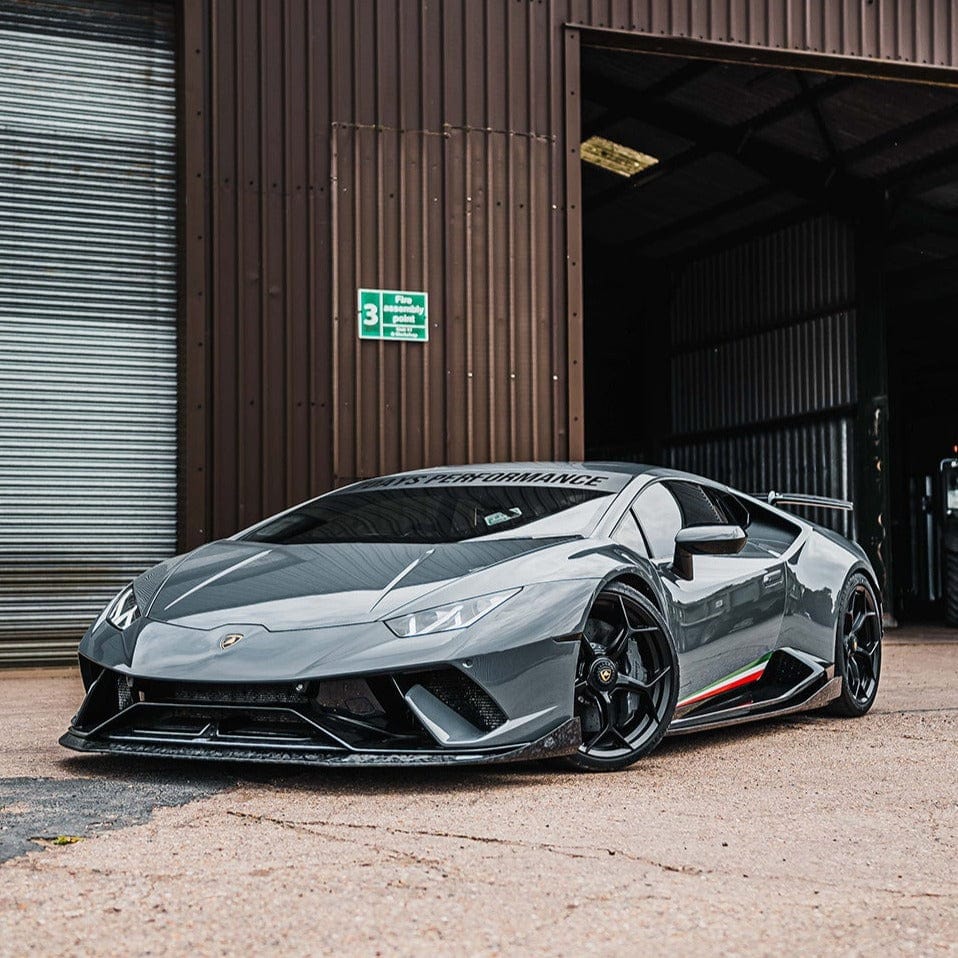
pixel 730 613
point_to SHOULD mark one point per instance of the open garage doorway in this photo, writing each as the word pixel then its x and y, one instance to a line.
pixel 770 287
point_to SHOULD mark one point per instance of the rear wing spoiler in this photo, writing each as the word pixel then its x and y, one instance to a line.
pixel 811 502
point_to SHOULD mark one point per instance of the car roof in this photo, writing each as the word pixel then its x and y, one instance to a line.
pixel 630 469
pixel 627 468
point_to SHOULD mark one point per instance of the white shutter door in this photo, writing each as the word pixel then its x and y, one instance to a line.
pixel 87 312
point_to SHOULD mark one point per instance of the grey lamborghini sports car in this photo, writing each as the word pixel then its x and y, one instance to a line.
pixel 484 614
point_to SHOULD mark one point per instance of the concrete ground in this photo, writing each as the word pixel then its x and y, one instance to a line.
pixel 805 836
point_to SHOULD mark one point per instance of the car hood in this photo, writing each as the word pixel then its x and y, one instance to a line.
pixel 304 586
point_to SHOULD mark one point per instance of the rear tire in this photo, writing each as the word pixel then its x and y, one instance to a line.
pixel 857 647
pixel 627 680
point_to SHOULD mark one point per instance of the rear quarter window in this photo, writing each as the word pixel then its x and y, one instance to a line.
pixel 769 535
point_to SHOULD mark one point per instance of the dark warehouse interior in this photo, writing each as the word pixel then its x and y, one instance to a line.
pixel 770 301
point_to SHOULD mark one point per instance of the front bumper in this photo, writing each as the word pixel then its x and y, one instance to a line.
pixel 562 741
pixel 433 717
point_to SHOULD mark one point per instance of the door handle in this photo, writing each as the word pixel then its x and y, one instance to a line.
pixel 772 578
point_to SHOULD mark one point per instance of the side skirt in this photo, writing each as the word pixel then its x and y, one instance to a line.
pixel 816 688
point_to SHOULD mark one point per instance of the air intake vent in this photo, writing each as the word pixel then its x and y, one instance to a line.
pixel 452 688
pixel 124 693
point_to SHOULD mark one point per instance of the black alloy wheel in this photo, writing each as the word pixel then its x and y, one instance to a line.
pixel 627 680
pixel 858 647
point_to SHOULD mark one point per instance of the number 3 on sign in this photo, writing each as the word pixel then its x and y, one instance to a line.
pixel 372 314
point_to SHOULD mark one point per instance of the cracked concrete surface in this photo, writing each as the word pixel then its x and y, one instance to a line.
pixel 803 836
pixel 41 810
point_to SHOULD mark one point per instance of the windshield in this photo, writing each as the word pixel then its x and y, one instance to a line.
pixel 438 514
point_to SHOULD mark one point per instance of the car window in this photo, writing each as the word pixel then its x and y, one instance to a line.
pixel 736 511
pixel 435 514
pixel 627 533
pixel 696 506
pixel 769 535
pixel 660 519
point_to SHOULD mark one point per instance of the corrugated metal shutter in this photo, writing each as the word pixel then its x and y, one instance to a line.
pixel 87 312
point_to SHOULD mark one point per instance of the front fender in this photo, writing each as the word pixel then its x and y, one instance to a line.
pixel 624 565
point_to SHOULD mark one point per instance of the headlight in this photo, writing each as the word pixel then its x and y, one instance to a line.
pixel 123 611
pixel 445 618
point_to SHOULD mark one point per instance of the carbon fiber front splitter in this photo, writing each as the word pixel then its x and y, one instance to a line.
pixel 563 740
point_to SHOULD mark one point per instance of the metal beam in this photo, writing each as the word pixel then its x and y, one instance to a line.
pixel 923 271
pixel 789 420
pixel 911 218
pixel 813 181
pixel 664 168
pixel 744 233
pixel 872 494
pixel 923 175
pixel 900 134
pixel 686 223
pixel 805 99
pixel 669 84
pixel 823 131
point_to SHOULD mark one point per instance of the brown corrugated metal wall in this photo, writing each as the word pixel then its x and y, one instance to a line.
pixel 332 144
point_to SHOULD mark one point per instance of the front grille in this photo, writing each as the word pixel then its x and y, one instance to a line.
pixel 195 721
pixel 330 711
pixel 462 695
pixel 214 694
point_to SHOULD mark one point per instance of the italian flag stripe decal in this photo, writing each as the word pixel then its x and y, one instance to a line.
pixel 744 676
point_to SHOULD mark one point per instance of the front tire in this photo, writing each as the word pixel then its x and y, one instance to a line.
pixel 627 680
pixel 857 647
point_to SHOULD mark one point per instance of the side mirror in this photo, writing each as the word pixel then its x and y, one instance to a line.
pixel 705 541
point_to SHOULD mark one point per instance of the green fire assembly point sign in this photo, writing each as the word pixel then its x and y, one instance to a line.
pixel 393 314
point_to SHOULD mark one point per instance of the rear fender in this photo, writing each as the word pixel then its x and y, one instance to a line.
pixel 816 575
